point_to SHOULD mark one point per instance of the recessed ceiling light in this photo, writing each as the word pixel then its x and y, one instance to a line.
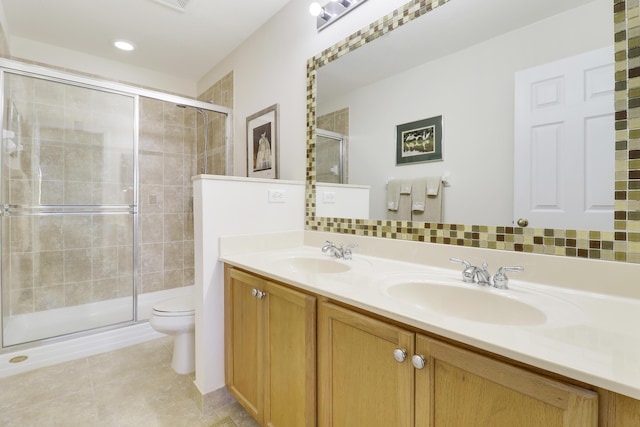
pixel 124 45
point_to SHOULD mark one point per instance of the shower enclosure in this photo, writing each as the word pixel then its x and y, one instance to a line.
pixel 71 178
pixel 330 157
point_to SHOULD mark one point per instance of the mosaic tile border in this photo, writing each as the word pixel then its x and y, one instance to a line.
pixel 622 244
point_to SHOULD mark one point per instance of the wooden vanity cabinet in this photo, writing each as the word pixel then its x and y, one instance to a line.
pixel 360 382
pixel 270 350
pixel 365 381
pixel 458 387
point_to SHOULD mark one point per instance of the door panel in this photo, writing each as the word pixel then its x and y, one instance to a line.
pixel 68 207
pixel 459 388
pixel 361 384
pixel 564 143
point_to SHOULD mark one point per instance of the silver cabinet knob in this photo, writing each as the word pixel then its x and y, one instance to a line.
pixel 258 293
pixel 418 361
pixel 400 354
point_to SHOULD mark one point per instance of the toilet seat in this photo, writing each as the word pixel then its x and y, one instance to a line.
pixel 175 307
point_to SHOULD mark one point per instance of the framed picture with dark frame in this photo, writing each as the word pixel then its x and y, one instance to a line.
pixel 419 141
pixel 263 143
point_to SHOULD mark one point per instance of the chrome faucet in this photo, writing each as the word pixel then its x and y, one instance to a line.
pixel 481 276
pixel 339 251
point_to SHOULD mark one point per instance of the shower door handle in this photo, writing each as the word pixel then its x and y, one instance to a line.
pixel 44 210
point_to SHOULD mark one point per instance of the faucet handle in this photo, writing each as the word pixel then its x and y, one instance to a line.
pixel 328 245
pixel 500 279
pixel 469 272
pixel 460 261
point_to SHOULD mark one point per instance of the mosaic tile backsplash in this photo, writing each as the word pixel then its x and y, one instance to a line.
pixel 622 244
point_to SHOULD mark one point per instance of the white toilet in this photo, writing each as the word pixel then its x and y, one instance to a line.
pixel 176 316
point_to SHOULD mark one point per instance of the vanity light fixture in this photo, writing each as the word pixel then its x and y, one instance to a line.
pixel 332 11
pixel 124 45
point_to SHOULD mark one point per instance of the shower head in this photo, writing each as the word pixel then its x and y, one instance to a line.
pixel 205 121
pixel 200 110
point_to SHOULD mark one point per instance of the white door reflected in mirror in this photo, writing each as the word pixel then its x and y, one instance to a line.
pixel 564 139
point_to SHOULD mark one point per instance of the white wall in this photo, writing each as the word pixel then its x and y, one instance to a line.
pixel 270 67
pixel 78 61
pixel 227 206
pixel 342 201
pixel 474 92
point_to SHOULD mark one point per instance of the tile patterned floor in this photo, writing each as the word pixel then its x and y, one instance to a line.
pixel 134 386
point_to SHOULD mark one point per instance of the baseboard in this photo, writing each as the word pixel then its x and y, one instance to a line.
pixel 214 400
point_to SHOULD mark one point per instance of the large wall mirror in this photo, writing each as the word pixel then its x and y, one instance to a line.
pixel 526 93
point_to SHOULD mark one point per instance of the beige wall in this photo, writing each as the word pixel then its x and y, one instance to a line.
pixel 167 150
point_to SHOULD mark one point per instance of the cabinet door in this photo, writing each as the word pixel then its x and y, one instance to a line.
pixel 290 394
pixel 459 388
pixel 244 340
pixel 360 382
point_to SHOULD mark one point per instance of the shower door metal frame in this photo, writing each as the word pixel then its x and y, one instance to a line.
pixel 37 71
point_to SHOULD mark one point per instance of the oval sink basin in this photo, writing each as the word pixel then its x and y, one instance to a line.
pixel 312 265
pixel 472 303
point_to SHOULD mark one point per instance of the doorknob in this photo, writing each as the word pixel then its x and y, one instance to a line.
pixel 522 222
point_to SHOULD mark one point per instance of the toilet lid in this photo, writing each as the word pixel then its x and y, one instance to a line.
pixel 182 305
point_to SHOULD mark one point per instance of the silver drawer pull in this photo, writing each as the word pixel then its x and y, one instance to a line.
pixel 400 354
pixel 418 361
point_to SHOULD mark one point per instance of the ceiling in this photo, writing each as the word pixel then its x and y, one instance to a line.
pixel 454 26
pixel 183 44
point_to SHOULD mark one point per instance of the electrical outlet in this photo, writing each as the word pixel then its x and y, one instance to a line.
pixel 277 196
pixel 329 197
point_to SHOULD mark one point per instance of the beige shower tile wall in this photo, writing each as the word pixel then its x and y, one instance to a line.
pixel 167 149
pixel 220 93
pixel 336 121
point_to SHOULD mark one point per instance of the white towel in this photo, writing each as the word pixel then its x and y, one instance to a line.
pixel 433 185
pixel 403 213
pixel 418 194
pixel 432 210
pixel 405 186
pixel 393 194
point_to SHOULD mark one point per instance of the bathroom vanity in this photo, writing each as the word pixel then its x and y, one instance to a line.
pixel 270 349
pixel 323 341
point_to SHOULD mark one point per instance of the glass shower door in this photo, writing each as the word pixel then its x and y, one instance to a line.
pixel 330 157
pixel 68 208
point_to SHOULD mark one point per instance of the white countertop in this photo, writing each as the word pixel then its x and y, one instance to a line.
pixel 590 337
